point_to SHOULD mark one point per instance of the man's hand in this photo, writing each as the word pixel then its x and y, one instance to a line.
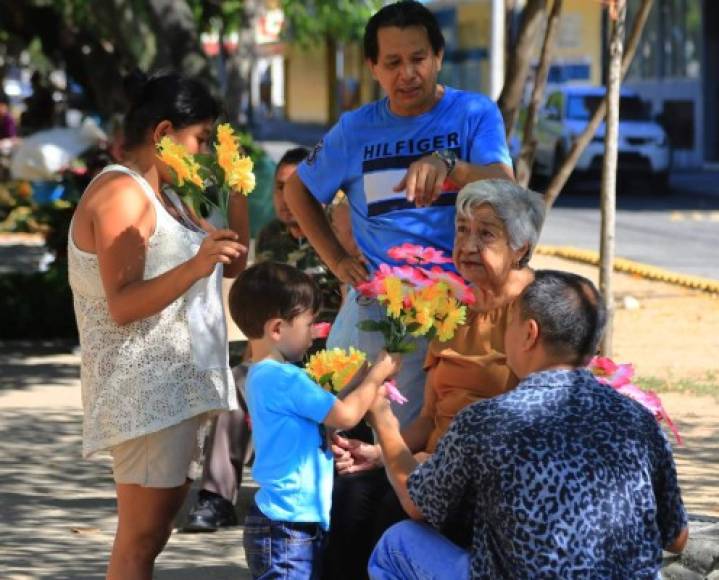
pixel 350 270
pixel 380 411
pixel 353 456
pixel 423 180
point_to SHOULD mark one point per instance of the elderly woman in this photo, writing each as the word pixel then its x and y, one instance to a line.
pixel 496 229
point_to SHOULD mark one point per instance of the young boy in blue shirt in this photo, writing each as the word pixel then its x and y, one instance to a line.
pixel 275 306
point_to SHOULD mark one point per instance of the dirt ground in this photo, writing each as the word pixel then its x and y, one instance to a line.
pixel 672 339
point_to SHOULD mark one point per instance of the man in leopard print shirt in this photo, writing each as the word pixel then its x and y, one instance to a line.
pixel 562 477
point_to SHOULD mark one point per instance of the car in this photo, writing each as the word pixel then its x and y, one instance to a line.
pixel 643 147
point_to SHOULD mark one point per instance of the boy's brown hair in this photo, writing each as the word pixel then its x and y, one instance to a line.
pixel 270 290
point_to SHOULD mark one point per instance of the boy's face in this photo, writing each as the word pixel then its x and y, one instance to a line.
pixel 283 212
pixel 296 336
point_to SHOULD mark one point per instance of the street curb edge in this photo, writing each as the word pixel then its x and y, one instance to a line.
pixel 630 267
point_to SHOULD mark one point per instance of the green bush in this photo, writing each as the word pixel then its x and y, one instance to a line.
pixel 37 305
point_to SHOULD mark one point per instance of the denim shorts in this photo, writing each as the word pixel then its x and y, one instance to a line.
pixel 282 549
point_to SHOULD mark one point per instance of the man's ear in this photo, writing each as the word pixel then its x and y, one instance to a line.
pixel 532 332
pixel 161 129
pixel 440 59
pixel 371 67
pixel 273 328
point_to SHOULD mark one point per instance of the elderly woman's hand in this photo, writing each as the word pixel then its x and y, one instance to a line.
pixel 352 455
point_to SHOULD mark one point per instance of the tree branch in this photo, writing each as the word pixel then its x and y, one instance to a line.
pixel 559 180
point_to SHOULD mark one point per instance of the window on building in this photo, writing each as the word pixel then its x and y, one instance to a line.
pixel 671 41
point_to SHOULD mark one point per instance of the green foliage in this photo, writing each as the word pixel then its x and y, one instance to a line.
pixel 309 22
pixel 37 305
pixel 394 331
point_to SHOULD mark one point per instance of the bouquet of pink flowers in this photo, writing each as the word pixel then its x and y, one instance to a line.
pixel 619 377
pixel 421 298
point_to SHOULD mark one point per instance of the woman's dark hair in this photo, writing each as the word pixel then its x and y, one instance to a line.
pixel 164 97
pixel 402 15
pixel 271 290
pixel 569 311
pixel 293 156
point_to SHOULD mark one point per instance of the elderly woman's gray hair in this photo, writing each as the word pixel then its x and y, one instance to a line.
pixel 521 210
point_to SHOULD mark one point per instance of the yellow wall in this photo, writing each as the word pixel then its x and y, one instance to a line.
pixel 306 84
pixel 580 35
pixel 474 24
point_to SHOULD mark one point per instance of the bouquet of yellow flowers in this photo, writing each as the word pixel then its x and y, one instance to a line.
pixel 421 299
pixel 333 369
pixel 226 172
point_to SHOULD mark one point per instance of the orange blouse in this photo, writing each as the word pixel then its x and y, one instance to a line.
pixel 470 367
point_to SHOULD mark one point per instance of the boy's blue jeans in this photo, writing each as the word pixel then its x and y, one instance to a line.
pixel 282 549
pixel 416 551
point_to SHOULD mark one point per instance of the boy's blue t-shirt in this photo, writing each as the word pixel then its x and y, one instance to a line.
pixel 368 152
pixel 293 472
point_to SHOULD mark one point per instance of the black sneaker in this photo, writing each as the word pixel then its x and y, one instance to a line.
pixel 211 512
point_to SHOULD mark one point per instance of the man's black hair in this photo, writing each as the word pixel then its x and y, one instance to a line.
pixel 293 156
pixel 569 311
pixel 402 15
pixel 271 290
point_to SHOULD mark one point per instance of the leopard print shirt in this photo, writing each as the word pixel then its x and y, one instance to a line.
pixel 567 479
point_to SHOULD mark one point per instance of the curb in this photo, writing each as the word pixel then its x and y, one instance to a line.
pixel 631 267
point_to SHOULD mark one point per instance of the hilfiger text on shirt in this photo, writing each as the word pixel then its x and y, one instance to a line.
pixel 411 146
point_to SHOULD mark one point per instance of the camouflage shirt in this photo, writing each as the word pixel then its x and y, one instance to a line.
pixel 275 243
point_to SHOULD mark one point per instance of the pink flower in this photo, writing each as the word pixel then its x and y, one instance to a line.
pixel 460 289
pixel 413 254
pixel 610 373
pixel 651 401
pixel 375 285
pixel 619 377
pixel 321 330
pixel 393 393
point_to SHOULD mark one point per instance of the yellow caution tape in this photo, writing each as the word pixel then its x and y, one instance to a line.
pixel 630 267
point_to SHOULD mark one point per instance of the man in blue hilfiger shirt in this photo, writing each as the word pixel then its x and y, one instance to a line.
pixel 401 162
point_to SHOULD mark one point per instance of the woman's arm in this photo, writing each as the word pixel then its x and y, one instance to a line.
pixel 122 221
pixel 239 221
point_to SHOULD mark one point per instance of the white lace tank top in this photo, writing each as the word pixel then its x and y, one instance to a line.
pixel 153 373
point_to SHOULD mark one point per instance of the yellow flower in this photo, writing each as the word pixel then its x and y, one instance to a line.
pixel 180 161
pixel 393 295
pixel 422 313
pixel 237 169
pixel 334 368
pixel 447 326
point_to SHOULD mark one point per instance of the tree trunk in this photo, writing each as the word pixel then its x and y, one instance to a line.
pixel 529 143
pixel 519 62
pixel 609 170
pixel 559 180
pixel 178 42
pixel 331 64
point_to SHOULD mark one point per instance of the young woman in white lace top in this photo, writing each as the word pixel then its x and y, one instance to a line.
pixel 146 281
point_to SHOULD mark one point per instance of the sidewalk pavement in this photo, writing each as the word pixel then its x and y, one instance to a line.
pixel 58 510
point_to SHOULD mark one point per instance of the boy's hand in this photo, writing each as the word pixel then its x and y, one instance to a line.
pixel 387 364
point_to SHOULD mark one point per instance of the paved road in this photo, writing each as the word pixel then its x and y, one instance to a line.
pixel 679 232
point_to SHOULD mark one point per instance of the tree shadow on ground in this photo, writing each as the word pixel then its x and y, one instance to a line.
pixel 19 369
pixel 58 510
